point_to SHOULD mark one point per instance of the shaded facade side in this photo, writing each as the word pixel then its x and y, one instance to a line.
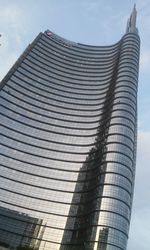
pixel 68 128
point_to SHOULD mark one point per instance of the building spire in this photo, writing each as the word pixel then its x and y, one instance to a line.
pixel 131 23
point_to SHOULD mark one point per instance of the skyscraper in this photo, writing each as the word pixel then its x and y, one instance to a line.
pixel 68 122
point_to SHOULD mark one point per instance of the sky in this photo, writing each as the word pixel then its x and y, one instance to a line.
pixel 97 22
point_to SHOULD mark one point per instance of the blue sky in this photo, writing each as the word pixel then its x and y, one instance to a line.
pixel 96 22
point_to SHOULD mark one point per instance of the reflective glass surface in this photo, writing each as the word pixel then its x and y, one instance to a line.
pixel 67 143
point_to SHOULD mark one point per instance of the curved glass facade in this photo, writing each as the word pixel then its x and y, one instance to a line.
pixel 68 139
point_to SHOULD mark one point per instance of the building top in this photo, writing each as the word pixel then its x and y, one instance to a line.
pixel 131 23
pixel 130 28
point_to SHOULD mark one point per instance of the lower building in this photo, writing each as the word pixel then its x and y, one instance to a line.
pixel 18 231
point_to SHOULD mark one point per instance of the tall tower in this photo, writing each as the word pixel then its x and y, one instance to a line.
pixel 68 122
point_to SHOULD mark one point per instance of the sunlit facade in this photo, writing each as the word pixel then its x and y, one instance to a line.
pixel 68 119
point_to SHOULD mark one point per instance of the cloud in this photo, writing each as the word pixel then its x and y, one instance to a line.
pixel 140 226
pixel 142 4
pixel 139 232
pixel 145 60
pixel 10 14
pixel 143 19
pixel 11 40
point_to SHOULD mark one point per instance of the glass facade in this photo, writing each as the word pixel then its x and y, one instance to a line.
pixel 68 142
